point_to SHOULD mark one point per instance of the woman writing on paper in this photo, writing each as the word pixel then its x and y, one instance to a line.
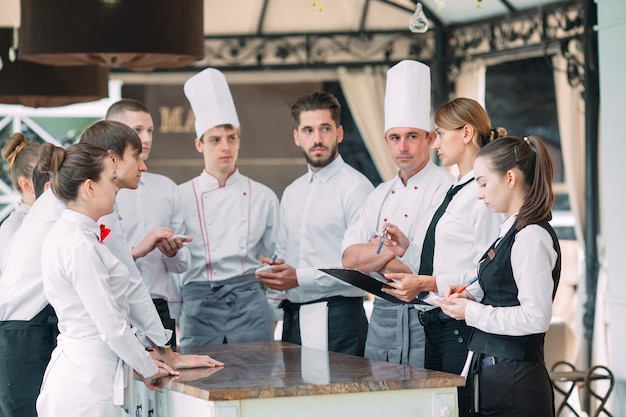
pixel 518 276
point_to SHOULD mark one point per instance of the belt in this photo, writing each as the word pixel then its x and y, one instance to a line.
pixel 492 360
pixel 434 316
pixel 332 301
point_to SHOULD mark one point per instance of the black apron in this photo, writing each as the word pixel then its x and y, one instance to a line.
pixel 347 324
pixel 25 348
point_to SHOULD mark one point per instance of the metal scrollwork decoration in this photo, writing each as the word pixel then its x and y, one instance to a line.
pixel 316 50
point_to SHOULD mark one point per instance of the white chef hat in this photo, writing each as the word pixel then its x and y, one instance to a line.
pixel 407 96
pixel 210 100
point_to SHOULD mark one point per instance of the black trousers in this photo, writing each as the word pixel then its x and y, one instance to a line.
pixel 446 350
pixel 164 314
pixel 508 388
pixel 347 324
pixel 25 349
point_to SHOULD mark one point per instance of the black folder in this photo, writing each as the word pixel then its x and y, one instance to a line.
pixel 372 283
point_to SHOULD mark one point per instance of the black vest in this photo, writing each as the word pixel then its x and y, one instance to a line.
pixel 496 280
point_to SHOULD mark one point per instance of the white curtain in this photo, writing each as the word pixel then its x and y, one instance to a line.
pixel 470 82
pixel 571 115
pixel 364 90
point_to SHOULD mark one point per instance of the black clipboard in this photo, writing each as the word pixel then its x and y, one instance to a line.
pixel 368 282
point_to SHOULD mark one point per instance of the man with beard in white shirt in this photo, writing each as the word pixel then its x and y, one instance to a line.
pixel 320 310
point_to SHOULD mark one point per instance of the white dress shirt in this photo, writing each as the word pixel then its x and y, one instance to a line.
pixel 532 259
pixel 463 234
pixel 315 211
pixel 8 228
pixel 143 313
pixel 87 287
pixel 231 226
pixel 406 206
pixel 21 285
pixel 153 204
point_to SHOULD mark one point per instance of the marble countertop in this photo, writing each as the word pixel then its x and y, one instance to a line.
pixel 277 369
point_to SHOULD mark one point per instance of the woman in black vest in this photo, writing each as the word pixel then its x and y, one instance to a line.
pixel 511 308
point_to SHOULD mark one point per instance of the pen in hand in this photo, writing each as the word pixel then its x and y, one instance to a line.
pixel 464 287
pixel 273 259
pixel 382 238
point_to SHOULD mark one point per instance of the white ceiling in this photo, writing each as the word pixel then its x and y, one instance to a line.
pixel 242 17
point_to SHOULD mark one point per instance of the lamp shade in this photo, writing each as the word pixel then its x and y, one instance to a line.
pixel 36 85
pixel 139 35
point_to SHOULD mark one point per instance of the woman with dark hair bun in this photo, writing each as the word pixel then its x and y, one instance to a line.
pixel 518 276
pixel 87 286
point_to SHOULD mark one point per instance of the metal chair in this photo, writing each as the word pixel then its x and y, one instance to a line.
pixel 574 377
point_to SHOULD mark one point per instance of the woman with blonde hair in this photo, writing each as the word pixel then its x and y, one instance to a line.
pixel 458 233
pixel 22 157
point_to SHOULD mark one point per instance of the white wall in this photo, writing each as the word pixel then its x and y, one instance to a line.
pixel 612 65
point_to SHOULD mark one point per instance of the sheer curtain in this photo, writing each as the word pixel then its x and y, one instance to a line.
pixel 364 89
pixel 571 117
pixel 470 82
pixel 571 112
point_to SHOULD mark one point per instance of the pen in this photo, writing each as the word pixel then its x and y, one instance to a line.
pixel 273 259
pixel 382 239
pixel 460 290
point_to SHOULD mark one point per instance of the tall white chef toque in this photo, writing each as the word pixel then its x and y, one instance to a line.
pixel 407 96
pixel 211 101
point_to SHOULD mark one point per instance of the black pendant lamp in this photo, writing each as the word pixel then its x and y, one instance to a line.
pixel 37 85
pixel 139 35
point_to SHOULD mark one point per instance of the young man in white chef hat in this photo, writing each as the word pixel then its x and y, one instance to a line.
pixel 233 221
pixel 410 198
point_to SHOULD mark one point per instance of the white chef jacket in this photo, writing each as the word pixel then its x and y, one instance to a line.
pixel 8 228
pixel 231 226
pixel 532 259
pixel 153 204
pixel 463 234
pixel 21 286
pixel 87 287
pixel 406 206
pixel 315 211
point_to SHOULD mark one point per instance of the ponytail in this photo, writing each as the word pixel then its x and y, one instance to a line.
pixel 531 157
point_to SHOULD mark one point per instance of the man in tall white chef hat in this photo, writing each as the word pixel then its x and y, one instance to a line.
pixel 406 201
pixel 233 220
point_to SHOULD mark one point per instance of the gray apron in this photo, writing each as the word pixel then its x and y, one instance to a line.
pixel 395 334
pixel 228 311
